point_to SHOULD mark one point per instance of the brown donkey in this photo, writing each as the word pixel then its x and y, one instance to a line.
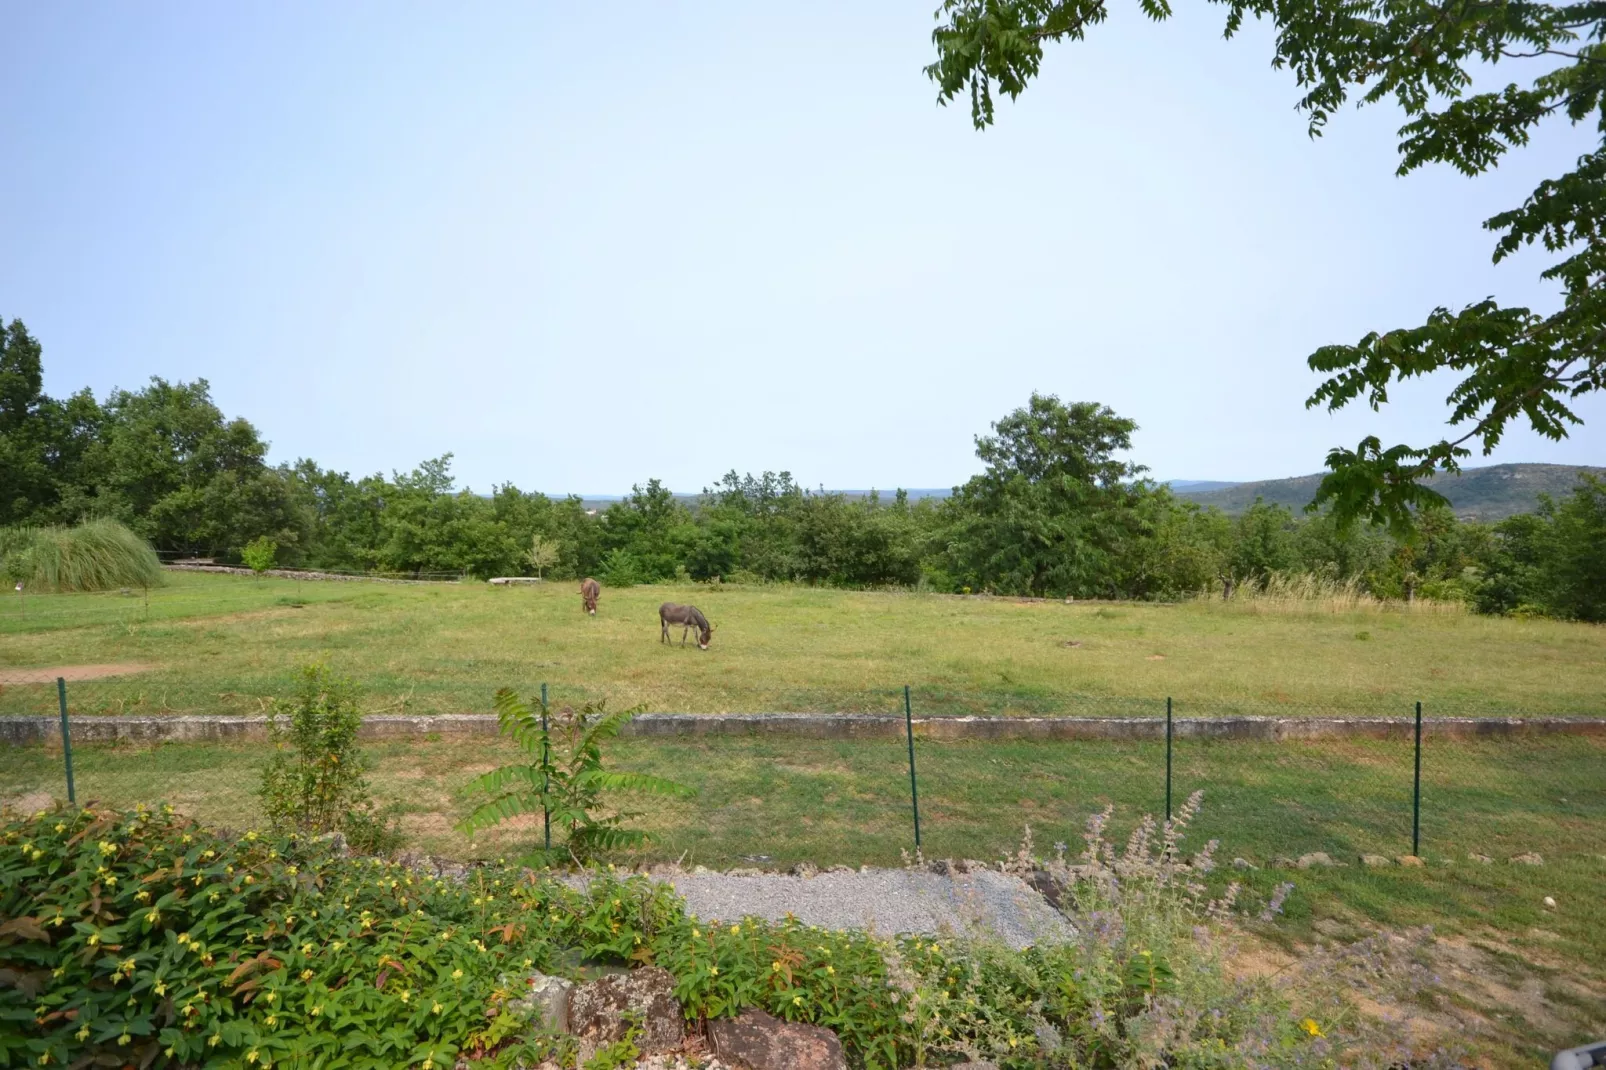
pixel 687 617
pixel 590 591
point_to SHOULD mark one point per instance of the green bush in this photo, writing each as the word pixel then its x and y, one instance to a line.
pixel 100 555
pixel 133 937
pixel 314 782
pixel 259 554
pixel 565 778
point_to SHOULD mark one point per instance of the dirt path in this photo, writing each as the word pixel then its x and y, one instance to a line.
pixel 71 672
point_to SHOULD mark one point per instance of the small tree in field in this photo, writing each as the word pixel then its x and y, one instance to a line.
pixel 543 554
pixel 314 782
pixel 259 554
pixel 565 777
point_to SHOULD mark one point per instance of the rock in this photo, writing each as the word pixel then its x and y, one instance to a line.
pixel 759 1042
pixel 699 869
pixel 803 869
pixel 1375 860
pixel 1315 858
pixel 1281 862
pixel 1046 885
pixel 1243 863
pixel 839 868
pixel 602 1011
pixel 1529 859
pixel 744 871
pixel 1410 860
pixel 1473 856
pixel 547 1002
pixel 1549 902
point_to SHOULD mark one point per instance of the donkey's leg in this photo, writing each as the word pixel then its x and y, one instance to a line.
pixel 683 632
pixel 663 628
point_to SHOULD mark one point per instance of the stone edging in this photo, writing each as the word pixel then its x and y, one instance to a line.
pixel 18 731
pixel 297 574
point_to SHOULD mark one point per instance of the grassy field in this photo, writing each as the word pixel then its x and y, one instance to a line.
pixel 771 803
pixel 221 644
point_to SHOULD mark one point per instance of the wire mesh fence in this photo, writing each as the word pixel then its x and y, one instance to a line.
pixel 1338 784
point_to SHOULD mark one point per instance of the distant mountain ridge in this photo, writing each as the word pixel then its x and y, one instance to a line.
pixel 1488 494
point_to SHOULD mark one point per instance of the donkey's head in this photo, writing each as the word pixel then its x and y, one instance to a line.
pixel 705 637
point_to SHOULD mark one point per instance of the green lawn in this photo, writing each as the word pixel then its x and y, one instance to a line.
pixel 223 644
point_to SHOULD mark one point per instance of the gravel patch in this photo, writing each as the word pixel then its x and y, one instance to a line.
pixel 886 900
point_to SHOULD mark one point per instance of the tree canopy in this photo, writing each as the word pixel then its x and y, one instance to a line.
pixel 1515 364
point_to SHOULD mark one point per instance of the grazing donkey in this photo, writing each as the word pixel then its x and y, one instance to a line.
pixel 590 591
pixel 687 617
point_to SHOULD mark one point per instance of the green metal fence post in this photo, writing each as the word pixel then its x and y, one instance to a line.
pixel 1168 758
pixel 1416 790
pixel 546 815
pixel 66 738
pixel 914 790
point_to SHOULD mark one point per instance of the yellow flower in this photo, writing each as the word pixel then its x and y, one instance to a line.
pixel 306 975
pixel 696 934
pixel 317 1010
pixel 251 1056
pixel 736 930
pixel 124 1039
pixel 212 1041
pixel 830 969
pixel 798 1000
pixel 457 975
pixel 713 971
pixel 406 995
pixel 273 1020
pixel 160 988
pixel 1309 1025
pixel 775 967
pixel 83 1034
pixel 436 1009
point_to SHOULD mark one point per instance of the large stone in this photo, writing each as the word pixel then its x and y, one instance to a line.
pixel 1316 859
pixel 757 1041
pixel 1529 859
pixel 1376 860
pixel 604 1010
pixel 547 1002
pixel 1410 860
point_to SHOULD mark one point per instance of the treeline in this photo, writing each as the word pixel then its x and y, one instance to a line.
pixel 1055 512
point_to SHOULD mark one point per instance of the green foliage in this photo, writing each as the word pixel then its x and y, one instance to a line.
pixel 314 782
pixel 620 568
pixel 565 778
pixel 138 936
pixel 1515 364
pixel 1552 563
pixel 259 554
pixel 543 553
pixel 99 555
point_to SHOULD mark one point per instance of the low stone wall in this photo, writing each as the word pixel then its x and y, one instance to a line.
pixel 19 731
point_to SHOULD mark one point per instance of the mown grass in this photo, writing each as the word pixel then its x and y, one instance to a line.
pixel 223 643
pixel 776 802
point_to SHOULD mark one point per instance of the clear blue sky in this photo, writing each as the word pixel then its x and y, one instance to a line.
pixel 582 245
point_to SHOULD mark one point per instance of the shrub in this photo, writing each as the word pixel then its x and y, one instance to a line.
pixel 542 554
pixel 136 936
pixel 259 554
pixel 620 568
pixel 565 778
pixel 99 555
pixel 314 782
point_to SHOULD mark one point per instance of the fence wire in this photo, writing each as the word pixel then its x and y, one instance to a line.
pixel 1348 791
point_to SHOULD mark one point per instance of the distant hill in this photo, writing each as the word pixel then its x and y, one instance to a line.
pixel 1487 494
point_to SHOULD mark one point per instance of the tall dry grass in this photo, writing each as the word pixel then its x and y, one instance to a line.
pixel 98 555
pixel 1319 592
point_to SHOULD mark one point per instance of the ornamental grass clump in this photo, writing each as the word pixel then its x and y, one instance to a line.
pixel 99 555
